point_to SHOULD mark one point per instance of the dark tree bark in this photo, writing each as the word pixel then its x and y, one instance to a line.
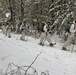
pixel 12 11
pixel 22 10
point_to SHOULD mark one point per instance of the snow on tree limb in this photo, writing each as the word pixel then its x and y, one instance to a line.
pixel 44 16
pixel 65 19
pixel 55 3
pixel 56 7
pixel 60 17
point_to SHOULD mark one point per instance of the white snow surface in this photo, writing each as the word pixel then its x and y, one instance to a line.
pixel 52 59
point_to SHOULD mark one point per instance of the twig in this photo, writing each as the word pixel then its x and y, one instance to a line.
pixel 32 63
pixel 4 58
pixel 18 66
pixel 7 68
pixel 23 66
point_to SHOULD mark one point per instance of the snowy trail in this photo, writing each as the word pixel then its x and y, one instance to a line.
pixel 56 61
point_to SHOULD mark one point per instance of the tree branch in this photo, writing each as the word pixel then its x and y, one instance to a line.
pixel 32 63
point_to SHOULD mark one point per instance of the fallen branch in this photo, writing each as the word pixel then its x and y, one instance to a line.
pixel 18 67
pixel 32 63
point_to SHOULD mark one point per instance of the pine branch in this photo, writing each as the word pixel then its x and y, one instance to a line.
pixel 56 7
pixel 55 2
pixel 65 19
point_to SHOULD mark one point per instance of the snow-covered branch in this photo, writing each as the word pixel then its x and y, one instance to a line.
pixel 65 19
pixel 55 3
pixel 56 7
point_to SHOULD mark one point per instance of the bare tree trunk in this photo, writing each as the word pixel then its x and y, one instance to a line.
pixel 52 15
pixel 12 10
pixel 22 10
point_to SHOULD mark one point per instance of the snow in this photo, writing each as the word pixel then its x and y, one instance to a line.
pixel 7 14
pixel 52 59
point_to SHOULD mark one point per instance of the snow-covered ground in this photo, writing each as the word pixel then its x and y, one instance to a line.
pixel 52 59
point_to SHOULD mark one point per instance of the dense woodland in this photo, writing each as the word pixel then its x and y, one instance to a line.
pixel 59 12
